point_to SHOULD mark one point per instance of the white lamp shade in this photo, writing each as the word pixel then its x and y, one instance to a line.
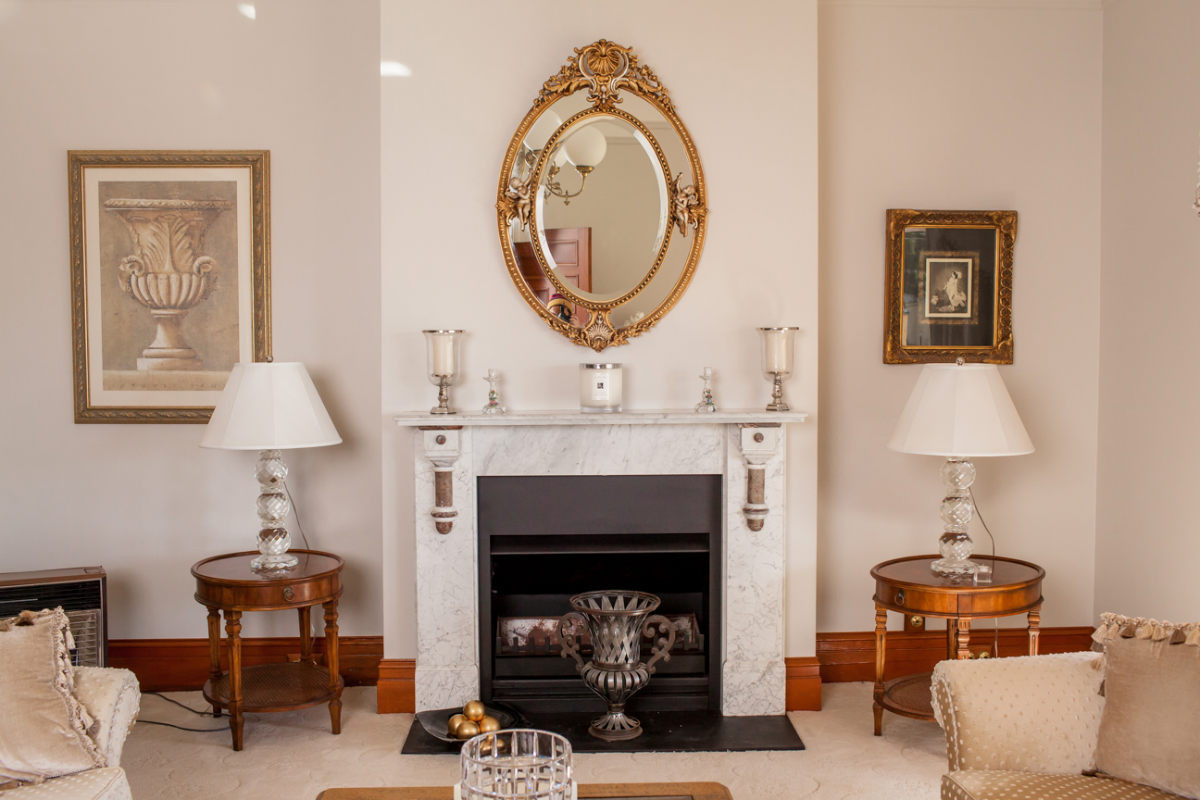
pixel 586 147
pixel 269 406
pixel 960 410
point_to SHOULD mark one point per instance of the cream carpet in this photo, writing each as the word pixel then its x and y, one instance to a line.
pixel 293 755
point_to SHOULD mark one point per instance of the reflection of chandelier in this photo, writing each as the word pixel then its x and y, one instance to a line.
pixel 583 148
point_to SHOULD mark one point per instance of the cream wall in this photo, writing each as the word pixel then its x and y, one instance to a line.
pixel 735 77
pixel 1147 550
pixel 981 105
pixel 144 500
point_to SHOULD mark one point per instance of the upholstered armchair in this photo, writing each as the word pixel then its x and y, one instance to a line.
pixel 64 728
pixel 1035 726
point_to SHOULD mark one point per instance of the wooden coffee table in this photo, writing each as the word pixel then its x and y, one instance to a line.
pixel 613 791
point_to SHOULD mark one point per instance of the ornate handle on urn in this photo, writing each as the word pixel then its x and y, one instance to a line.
pixel 569 642
pixel 662 630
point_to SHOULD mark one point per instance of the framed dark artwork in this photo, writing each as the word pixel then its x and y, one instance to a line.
pixel 170 278
pixel 948 293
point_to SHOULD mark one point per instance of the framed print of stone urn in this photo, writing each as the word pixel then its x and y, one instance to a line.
pixel 170 278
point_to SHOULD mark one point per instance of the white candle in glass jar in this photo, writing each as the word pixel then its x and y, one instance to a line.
pixel 777 349
pixel 443 354
pixel 600 387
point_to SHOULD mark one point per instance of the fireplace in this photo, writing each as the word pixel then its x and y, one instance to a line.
pixel 462 463
pixel 545 538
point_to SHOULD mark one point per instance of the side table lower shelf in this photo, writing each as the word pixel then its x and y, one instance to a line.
pixel 276 687
pixel 909 696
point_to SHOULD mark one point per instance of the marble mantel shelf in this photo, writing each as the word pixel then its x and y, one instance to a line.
pixel 660 417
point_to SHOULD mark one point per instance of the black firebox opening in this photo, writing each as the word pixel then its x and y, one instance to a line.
pixel 545 538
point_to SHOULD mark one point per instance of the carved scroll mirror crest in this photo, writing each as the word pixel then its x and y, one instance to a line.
pixel 601 205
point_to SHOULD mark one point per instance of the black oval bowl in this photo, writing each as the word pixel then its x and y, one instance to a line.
pixel 434 721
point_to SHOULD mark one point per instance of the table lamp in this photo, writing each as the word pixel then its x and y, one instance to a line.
pixel 959 411
pixel 270 407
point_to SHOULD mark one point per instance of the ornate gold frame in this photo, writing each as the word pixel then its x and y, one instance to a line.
pixel 604 70
pixel 258 164
pixel 1000 351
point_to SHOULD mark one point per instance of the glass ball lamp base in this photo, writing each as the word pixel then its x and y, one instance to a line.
pixel 956 512
pixel 956 549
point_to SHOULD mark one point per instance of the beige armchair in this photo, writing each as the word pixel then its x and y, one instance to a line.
pixel 1025 728
pixel 112 697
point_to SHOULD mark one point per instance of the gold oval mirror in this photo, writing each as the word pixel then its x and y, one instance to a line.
pixel 601 206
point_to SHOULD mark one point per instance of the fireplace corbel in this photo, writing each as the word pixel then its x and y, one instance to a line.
pixel 758 443
pixel 442 448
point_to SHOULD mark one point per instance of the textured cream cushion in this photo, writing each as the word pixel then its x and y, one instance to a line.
pixel 108 783
pixel 44 729
pixel 1006 785
pixel 113 697
pixel 1033 713
pixel 1150 731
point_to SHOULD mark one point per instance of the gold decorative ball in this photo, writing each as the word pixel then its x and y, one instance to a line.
pixel 466 730
pixel 454 722
pixel 474 710
pixel 489 724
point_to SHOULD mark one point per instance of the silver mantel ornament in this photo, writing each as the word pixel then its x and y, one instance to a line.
pixel 706 404
pixel 493 405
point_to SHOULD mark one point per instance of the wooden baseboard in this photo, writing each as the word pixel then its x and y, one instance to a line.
pixel 803 689
pixel 851 656
pixel 182 664
pixel 164 665
pixel 396 691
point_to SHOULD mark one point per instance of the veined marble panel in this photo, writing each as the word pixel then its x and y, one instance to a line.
pixel 600 450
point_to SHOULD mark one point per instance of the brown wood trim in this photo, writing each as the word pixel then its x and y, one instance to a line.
pixel 851 656
pixel 163 665
pixel 803 689
pixel 396 691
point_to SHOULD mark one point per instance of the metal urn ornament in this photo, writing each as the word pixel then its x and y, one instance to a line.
pixel 617 621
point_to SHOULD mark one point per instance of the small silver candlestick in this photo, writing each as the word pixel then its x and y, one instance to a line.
pixel 777 361
pixel 493 402
pixel 442 353
pixel 706 404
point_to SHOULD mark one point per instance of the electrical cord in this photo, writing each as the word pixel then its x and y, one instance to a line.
pixel 988 531
pixel 185 707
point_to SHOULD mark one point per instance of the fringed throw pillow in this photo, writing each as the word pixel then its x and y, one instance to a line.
pixel 44 729
pixel 1151 722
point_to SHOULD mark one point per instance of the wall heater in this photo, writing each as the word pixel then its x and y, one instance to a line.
pixel 81 591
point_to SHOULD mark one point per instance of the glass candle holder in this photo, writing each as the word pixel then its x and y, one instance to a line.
pixel 778 349
pixel 442 348
pixel 518 764
pixel 600 388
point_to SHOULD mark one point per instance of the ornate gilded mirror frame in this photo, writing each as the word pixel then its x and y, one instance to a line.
pixel 604 71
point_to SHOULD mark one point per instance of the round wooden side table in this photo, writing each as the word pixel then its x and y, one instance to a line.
pixel 908 586
pixel 226 584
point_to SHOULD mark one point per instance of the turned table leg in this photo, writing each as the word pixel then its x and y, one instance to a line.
pixel 1035 617
pixel 880 658
pixel 214 653
pixel 963 626
pixel 331 663
pixel 233 629
pixel 305 633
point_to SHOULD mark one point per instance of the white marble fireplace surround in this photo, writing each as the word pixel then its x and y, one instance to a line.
pixel 728 443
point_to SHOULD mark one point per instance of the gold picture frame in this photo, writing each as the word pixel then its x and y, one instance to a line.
pixel 170 279
pixel 948 290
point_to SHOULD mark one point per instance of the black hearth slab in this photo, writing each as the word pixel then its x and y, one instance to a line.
pixel 663 731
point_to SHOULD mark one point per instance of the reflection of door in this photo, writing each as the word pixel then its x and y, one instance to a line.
pixel 571 249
